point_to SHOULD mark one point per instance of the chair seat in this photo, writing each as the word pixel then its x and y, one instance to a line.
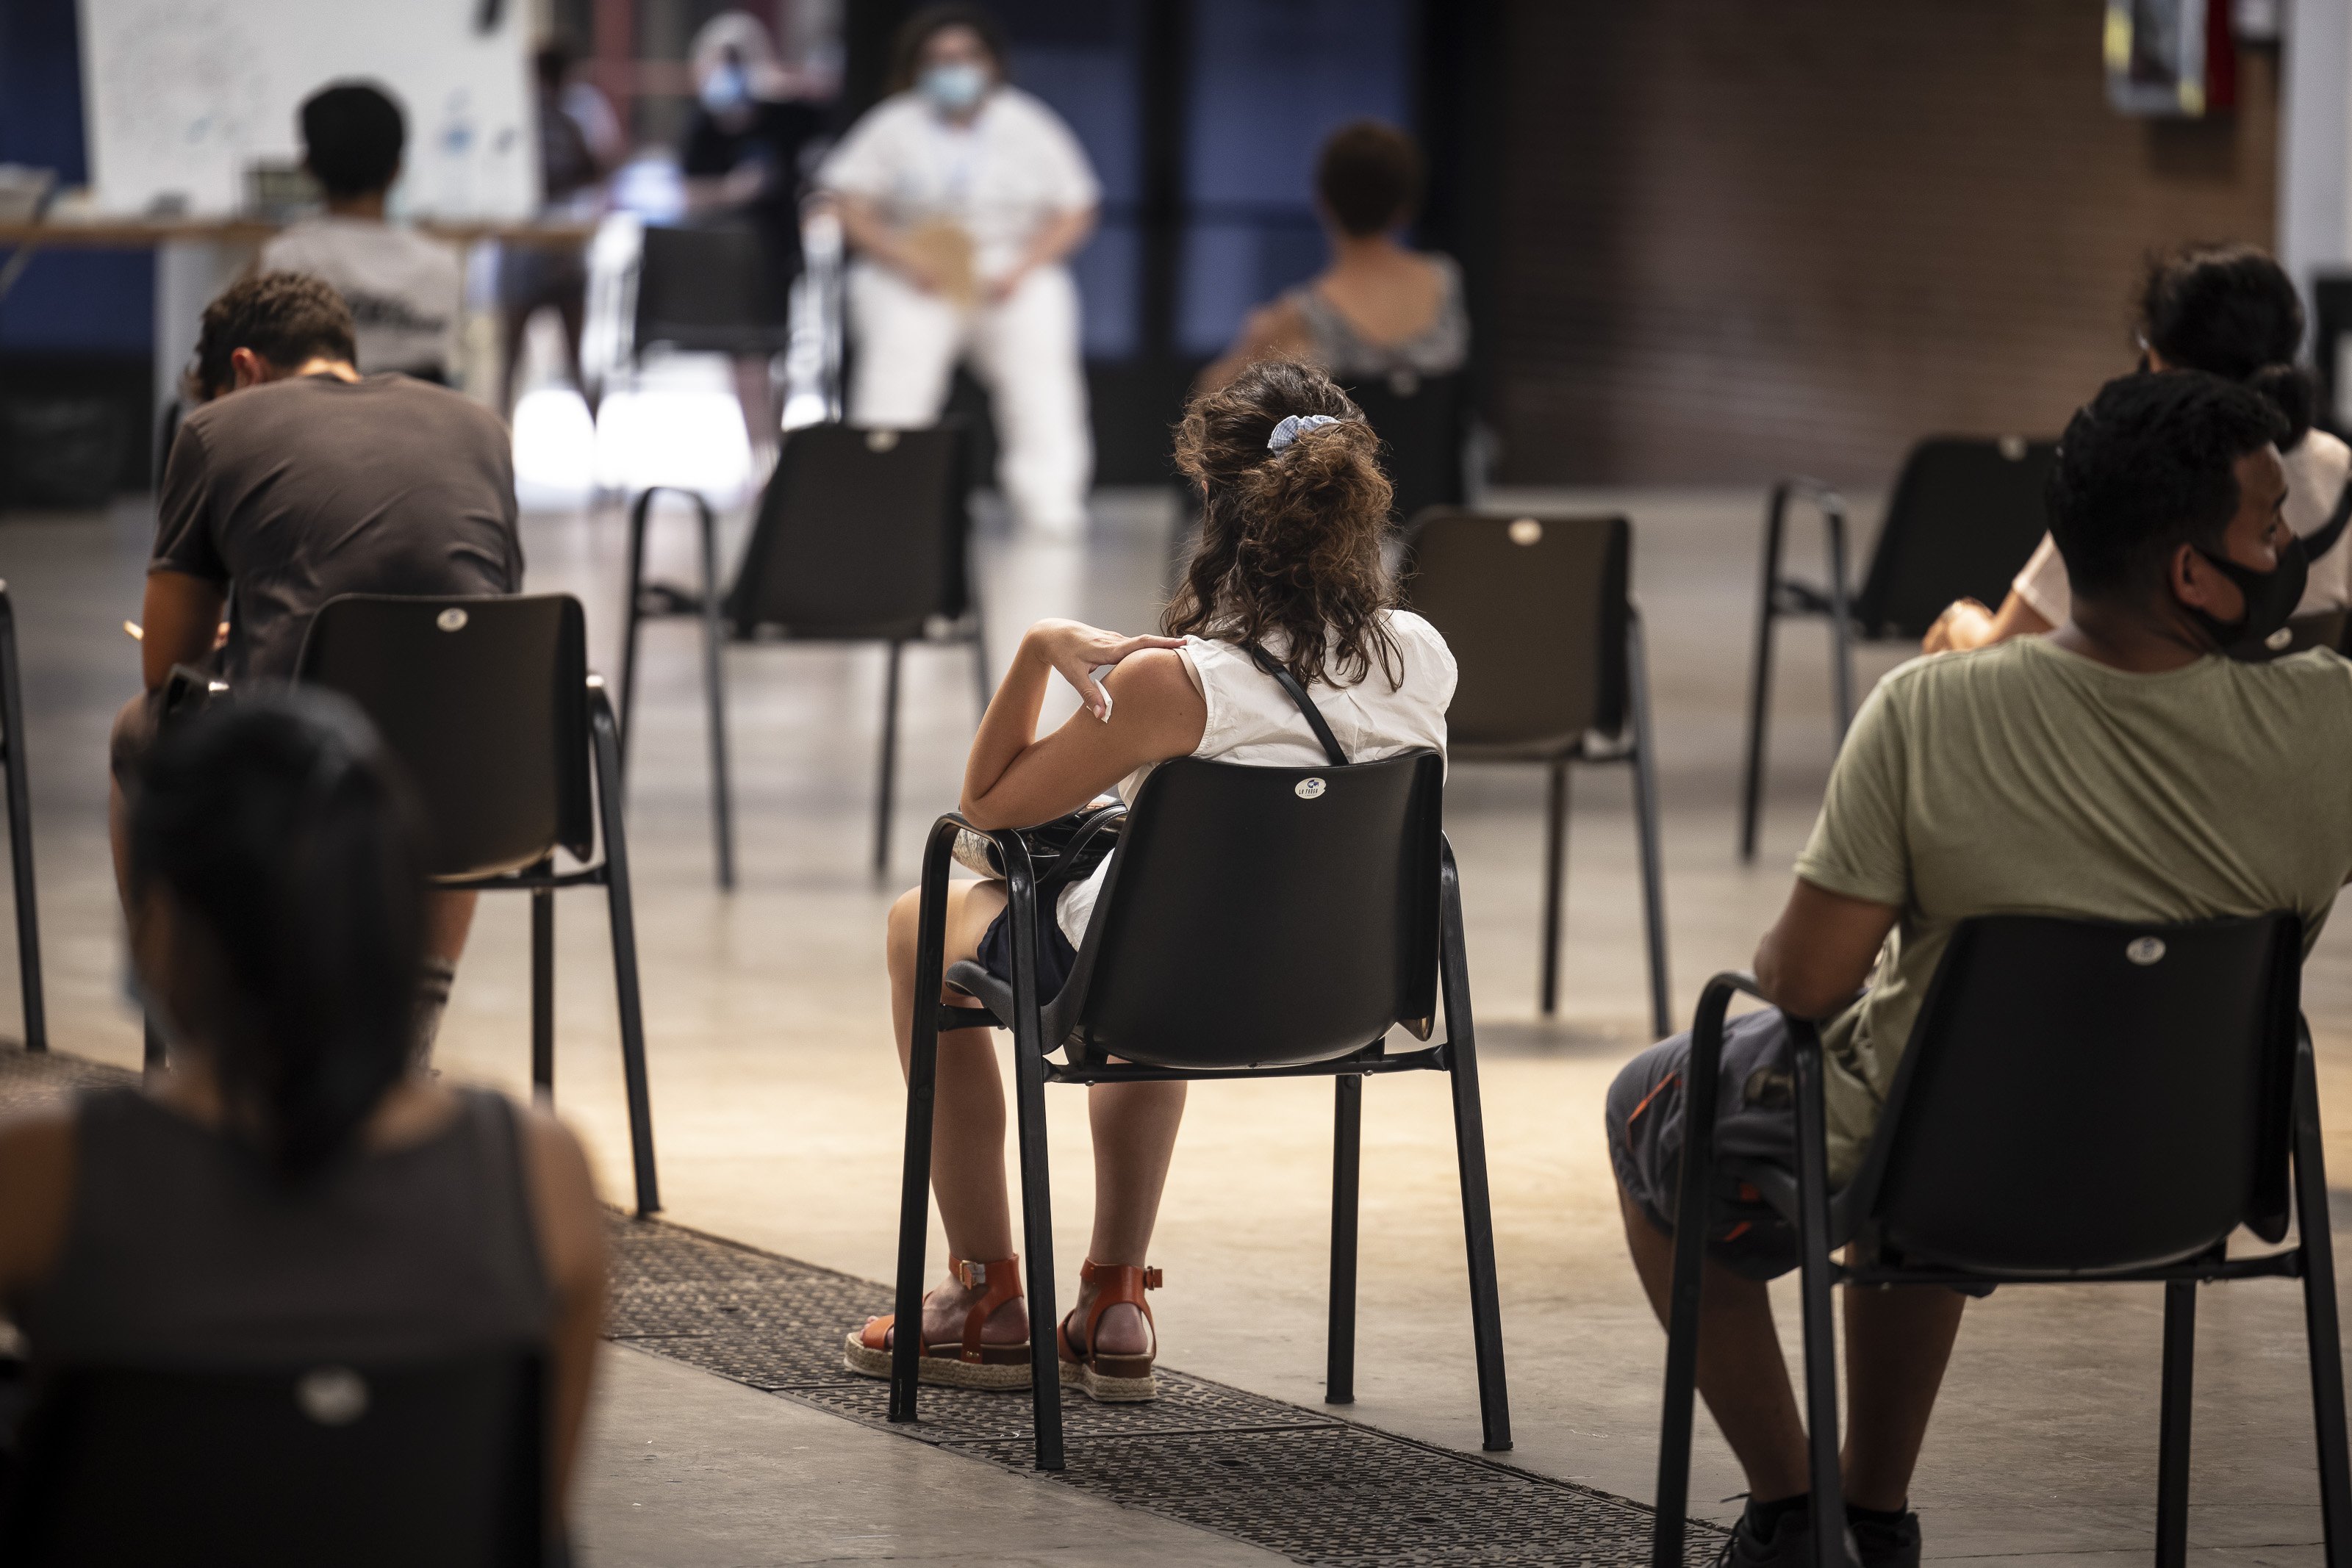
pixel 995 995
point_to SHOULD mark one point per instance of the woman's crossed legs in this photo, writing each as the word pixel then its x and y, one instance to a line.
pixel 1134 1127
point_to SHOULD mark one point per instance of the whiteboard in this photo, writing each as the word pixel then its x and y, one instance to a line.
pixel 181 96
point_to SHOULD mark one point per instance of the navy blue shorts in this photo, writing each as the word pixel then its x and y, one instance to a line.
pixel 1055 957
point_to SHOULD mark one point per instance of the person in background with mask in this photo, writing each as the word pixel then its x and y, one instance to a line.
pixel 744 160
pixel 2233 311
pixel 963 197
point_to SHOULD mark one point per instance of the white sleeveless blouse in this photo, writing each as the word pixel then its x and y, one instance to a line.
pixel 1252 720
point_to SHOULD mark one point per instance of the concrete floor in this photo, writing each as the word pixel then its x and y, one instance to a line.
pixel 778 1104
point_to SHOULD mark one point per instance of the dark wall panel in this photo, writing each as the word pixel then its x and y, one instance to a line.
pixel 1740 239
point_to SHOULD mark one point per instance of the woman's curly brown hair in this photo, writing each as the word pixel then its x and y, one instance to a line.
pixel 1290 540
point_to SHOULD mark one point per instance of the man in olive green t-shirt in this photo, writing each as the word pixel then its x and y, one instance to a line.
pixel 2119 768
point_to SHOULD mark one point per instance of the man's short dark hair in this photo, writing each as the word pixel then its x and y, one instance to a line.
pixel 287 317
pixel 2146 468
pixel 1369 174
pixel 351 137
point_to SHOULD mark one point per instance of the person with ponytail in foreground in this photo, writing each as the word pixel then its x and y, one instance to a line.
pixel 1294 510
pixel 2231 311
pixel 294 1189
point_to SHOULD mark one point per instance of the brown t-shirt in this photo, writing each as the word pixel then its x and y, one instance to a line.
pixel 293 492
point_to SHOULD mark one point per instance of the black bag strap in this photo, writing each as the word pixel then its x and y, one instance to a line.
pixel 2319 542
pixel 1314 714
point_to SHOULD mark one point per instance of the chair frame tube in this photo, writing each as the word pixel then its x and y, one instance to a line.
pixel 1347 1175
pixel 20 829
pixel 1776 598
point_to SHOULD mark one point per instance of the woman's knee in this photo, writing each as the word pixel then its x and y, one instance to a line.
pixel 905 921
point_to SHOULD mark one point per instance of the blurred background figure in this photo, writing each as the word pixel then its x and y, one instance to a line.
pixel 1379 308
pixel 406 293
pixel 745 159
pixel 963 196
pixel 580 144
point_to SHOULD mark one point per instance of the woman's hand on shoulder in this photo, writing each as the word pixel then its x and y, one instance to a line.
pixel 1075 651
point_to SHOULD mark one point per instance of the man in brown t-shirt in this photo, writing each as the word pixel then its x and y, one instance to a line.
pixel 295 480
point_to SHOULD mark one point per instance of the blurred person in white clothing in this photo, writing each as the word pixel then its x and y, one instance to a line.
pixel 963 196
pixel 406 292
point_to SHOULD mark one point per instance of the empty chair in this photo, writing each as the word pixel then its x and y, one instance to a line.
pixel 20 829
pixel 1984 1167
pixel 1256 922
pixel 1549 646
pixel 440 1462
pixel 1423 421
pixel 1965 515
pixel 861 537
pixel 712 288
pixel 490 706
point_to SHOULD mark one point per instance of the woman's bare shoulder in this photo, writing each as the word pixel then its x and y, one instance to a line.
pixel 36 1170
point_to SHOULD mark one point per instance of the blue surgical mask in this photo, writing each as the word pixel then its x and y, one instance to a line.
pixel 726 88
pixel 954 88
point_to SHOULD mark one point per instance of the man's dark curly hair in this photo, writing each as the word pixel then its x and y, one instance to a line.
pixel 287 317
pixel 2147 466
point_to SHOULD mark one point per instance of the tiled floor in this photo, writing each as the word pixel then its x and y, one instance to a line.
pixel 778 1108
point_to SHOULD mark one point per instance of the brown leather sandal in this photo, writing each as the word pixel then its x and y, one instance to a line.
pixel 1112 1379
pixel 967 1364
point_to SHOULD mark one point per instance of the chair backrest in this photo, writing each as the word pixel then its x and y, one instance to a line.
pixel 1534 608
pixel 1262 917
pixel 485 701
pixel 1965 514
pixel 862 533
pixel 711 286
pixel 439 1462
pixel 1422 422
pixel 2079 1096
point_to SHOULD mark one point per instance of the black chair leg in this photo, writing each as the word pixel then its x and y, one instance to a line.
pixel 1694 1189
pixel 1841 624
pixel 714 692
pixel 1820 1329
pixel 1645 823
pixel 2321 1327
pixel 884 788
pixel 20 831
pixel 922 1083
pixel 632 622
pixel 1347 1166
pixel 1036 1195
pixel 1555 875
pixel 624 949
pixel 1760 676
pixel 2173 1426
pixel 1470 1154
pixel 542 990
pixel 154 1057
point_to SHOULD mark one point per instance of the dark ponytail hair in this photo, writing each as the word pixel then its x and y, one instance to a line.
pixel 2233 311
pixel 1290 540
pixel 290 856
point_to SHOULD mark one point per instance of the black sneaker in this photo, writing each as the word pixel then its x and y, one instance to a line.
pixel 1888 1543
pixel 1791 1545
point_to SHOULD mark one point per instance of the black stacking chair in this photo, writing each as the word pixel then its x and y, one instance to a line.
pixel 1422 423
pixel 20 829
pixel 1965 515
pixel 1552 672
pixel 2184 1044
pixel 440 1462
pixel 861 537
pixel 712 288
pixel 489 705
pixel 1256 922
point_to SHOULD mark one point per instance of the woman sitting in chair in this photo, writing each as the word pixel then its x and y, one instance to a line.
pixel 295 1190
pixel 1294 508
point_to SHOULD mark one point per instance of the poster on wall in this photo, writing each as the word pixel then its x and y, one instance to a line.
pixel 187 99
pixel 2173 59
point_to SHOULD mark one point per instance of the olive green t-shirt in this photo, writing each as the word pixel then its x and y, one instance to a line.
pixel 2024 779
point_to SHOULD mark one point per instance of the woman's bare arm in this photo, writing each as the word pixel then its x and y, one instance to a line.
pixel 1147 710
pixel 570 1229
pixel 37 1172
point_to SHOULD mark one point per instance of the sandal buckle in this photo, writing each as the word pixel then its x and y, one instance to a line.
pixel 1152 1279
pixel 971 1276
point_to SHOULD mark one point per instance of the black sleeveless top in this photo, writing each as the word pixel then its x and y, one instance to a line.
pixel 183 1249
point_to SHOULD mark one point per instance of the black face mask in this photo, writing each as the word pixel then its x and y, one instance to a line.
pixel 2271 598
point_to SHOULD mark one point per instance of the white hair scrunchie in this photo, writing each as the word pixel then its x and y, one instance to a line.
pixel 1295 425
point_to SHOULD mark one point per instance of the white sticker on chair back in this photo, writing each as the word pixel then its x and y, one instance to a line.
pixel 2144 950
pixel 1526 532
pixel 451 620
pixel 1308 788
